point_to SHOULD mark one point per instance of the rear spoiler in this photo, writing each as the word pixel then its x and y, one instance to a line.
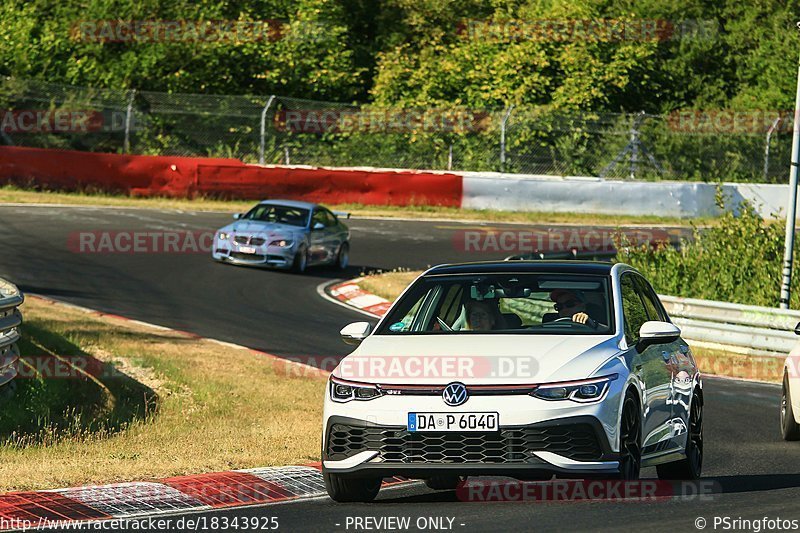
pixel 341 214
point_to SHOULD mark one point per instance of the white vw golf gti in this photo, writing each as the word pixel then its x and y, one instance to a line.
pixel 529 369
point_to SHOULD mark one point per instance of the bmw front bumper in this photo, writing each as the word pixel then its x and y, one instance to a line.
pixel 264 256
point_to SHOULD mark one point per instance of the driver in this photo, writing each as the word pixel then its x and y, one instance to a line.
pixel 572 304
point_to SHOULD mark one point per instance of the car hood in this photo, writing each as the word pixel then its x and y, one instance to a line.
pixel 476 359
pixel 250 227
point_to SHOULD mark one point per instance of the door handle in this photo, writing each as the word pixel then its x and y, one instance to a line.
pixel 666 356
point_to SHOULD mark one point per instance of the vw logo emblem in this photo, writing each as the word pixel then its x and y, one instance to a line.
pixel 455 394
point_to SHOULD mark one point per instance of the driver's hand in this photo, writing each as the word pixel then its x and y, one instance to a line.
pixel 582 318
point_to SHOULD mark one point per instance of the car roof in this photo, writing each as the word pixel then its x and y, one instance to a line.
pixel 289 203
pixel 515 266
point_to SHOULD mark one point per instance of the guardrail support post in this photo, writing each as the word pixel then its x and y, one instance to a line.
pixel 264 129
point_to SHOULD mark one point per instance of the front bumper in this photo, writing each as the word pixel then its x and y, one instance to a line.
pixel 537 438
pixel 568 447
pixel 264 256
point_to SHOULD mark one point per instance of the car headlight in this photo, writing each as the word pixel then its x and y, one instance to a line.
pixel 283 243
pixel 8 289
pixel 585 390
pixel 222 235
pixel 344 391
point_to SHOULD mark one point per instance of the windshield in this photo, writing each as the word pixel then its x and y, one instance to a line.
pixel 279 214
pixel 542 303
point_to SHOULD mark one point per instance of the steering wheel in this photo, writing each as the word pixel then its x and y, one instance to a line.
pixel 569 319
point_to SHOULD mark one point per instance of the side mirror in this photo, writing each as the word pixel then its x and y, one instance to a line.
pixel 655 332
pixel 356 332
pixel 237 216
pixel 318 226
pixel 797 329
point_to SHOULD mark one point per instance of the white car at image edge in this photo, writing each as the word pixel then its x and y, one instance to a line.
pixel 790 393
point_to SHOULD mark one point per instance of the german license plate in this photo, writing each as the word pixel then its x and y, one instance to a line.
pixel 247 249
pixel 471 422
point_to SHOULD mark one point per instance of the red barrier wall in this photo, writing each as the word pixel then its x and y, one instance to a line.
pixel 187 176
pixel 332 185
pixel 69 170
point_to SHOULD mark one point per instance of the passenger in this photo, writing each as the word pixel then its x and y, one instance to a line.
pixel 483 315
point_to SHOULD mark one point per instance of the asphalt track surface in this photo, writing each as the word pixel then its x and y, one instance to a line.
pixel 750 473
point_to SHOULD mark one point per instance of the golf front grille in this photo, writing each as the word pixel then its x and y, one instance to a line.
pixel 507 446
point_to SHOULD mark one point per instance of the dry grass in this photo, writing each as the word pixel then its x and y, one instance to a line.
pixel 722 363
pixel 173 405
pixel 389 285
pixel 11 194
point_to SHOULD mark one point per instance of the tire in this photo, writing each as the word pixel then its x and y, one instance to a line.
pixel 690 467
pixel 443 482
pixel 343 489
pixel 630 440
pixel 343 257
pixel 300 262
pixel 790 430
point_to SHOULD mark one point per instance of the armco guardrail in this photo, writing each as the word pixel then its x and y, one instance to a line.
pixel 746 329
pixel 10 319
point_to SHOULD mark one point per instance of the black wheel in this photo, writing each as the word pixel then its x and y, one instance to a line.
pixel 344 489
pixel 300 262
pixel 443 482
pixel 630 440
pixel 343 257
pixel 789 428
pixel 690 467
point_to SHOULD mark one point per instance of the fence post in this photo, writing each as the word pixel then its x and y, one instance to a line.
pixel 126 146
pixel 634 143
pixel 264 129
pixel 766 146
pixel 503 138
pixel 450 157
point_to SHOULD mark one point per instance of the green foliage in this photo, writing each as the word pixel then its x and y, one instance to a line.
pixel 421 52
pixel 417 54
pixel 737 260
pixel 42 39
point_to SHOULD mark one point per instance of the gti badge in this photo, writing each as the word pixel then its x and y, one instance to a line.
pixel 455 394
